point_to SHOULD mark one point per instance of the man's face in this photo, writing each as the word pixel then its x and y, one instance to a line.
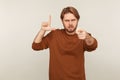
pixel 70 22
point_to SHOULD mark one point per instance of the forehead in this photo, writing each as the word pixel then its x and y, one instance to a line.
pixel 69 16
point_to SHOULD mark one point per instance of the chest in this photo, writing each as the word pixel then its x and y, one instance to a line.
pixel 67 45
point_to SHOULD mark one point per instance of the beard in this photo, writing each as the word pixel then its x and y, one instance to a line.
pixel 70 29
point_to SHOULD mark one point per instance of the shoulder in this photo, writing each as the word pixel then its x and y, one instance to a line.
pixel 57 31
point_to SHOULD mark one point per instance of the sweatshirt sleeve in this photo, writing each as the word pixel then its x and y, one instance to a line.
pixel 44 44
pixel 91 47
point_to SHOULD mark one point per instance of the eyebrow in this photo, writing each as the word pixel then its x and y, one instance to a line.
pixel 69 20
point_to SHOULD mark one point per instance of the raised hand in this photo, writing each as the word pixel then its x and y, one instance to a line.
pixel 47 25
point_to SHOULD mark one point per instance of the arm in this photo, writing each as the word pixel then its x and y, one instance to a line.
pixel 39 36
pixel 90 43
pixel 89 40
pixel 45 27
pixel 39 42
pixel 38 39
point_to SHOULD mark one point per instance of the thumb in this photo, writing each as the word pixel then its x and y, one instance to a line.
pixel 52 28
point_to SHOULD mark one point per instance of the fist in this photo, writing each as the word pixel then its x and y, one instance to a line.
pixel 81 33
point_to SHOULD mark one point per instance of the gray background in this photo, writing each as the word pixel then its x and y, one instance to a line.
pixel 20 21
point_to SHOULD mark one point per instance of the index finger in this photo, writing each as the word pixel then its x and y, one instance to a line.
pixel 80 30
pixel 49 21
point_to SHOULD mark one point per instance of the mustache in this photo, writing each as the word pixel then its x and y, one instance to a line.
pixel 70 26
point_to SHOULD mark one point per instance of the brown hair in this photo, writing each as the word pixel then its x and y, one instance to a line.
pixel 70 10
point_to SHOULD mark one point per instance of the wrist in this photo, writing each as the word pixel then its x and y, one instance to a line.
pixel 88 35
pixel 42 30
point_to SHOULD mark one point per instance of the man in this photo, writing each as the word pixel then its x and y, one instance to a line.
pixel 67 46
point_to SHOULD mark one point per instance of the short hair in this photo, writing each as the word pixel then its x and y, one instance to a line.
pixel 70 10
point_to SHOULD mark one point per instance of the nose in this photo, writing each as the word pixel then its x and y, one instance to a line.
pixel 70 22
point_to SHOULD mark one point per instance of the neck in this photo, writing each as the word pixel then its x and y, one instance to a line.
pixel 70 33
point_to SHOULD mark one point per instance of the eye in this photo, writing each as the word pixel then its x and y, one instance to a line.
pixel 73 20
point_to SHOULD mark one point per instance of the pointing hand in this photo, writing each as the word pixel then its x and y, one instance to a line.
pixel 81 33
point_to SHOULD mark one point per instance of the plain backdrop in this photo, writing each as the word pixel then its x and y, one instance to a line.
pixel 20 21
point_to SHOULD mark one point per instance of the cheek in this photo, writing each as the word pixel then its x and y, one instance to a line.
pixel 65 24
pixel 76 23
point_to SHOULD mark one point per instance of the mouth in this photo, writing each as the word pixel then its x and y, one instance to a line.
pixel 70 29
